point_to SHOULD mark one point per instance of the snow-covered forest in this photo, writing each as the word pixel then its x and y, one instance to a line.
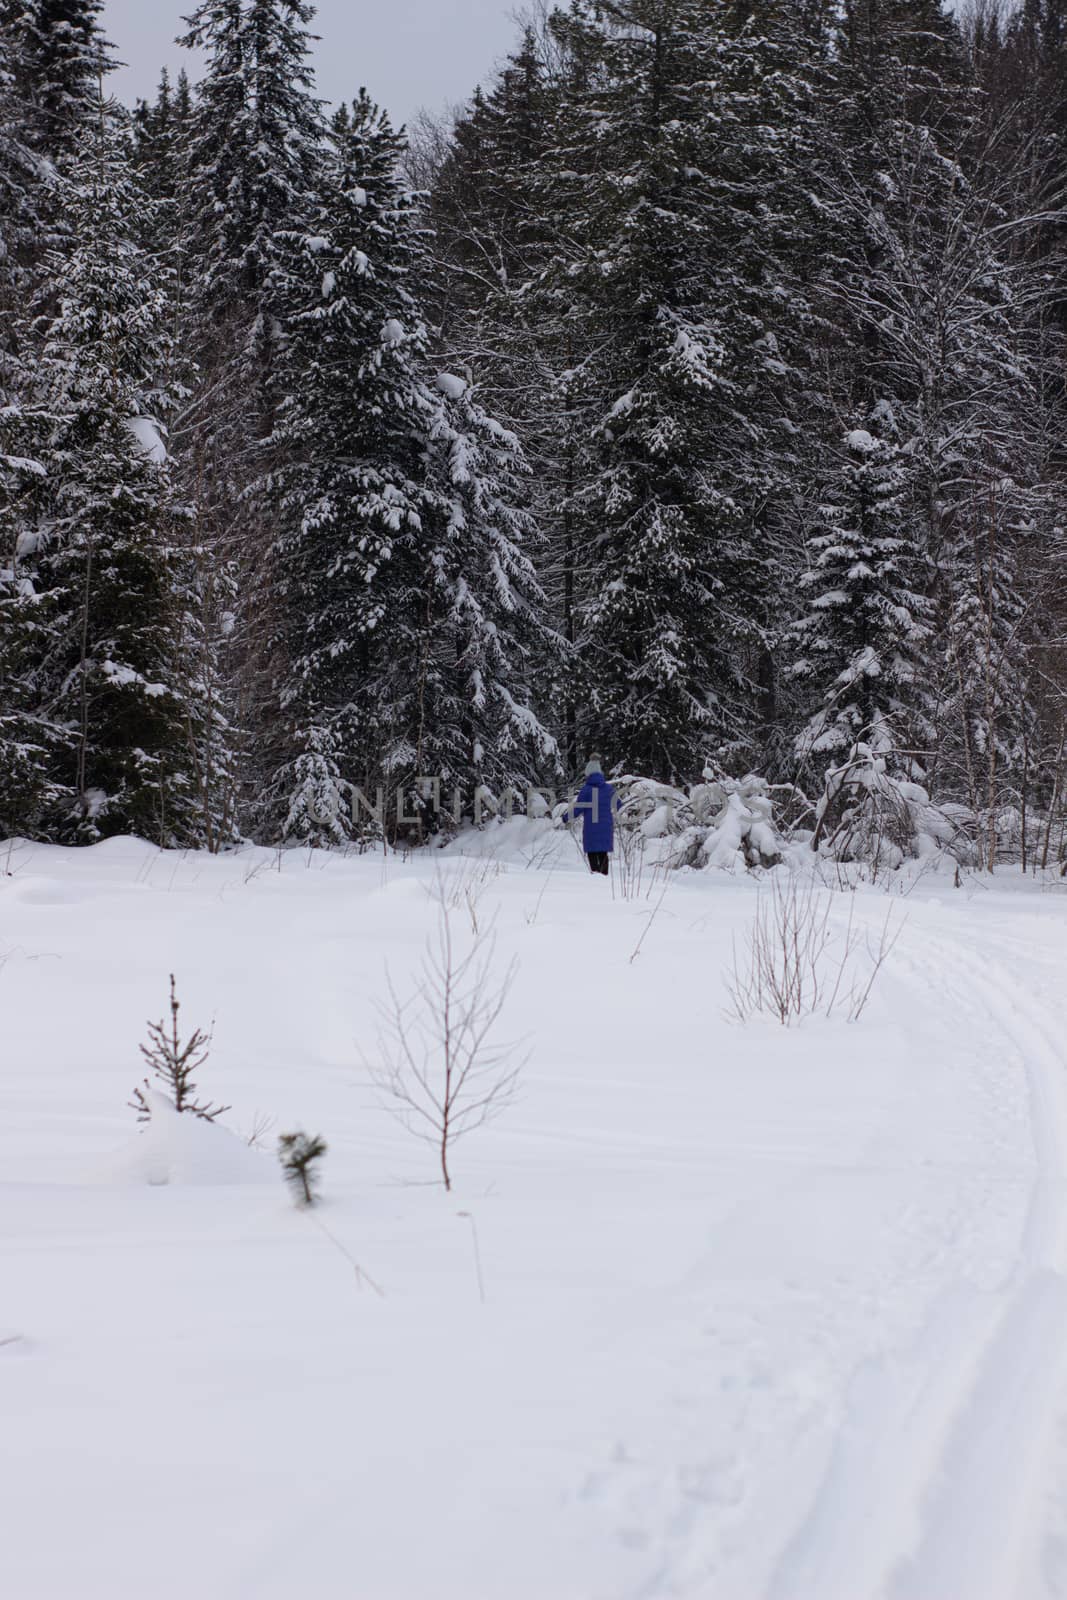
pixel 695 396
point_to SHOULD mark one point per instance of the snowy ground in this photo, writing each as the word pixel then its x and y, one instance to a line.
pixel 769 1314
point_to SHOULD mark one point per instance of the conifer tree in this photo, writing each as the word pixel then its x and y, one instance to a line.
pixel 61 56
pixel 350 486
pixel 501 321
pixel 24 175
pixel 29 739
pixel 403 592
pixel 988 715
pixel 159 130
pixel 676 163
pixel 250 171
pixel 902 57
pixel 113 674
pixel 490 231
pixel 482 717
pixel 864 644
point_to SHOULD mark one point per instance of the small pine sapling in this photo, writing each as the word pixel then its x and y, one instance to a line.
pixel 299 1154
pixel 174 1063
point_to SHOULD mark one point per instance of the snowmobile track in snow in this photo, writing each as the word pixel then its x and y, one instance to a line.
pixel 940 1449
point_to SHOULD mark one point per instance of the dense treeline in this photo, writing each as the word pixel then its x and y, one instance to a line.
pixel 702 405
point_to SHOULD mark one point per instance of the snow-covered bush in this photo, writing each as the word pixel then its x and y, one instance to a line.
pixel 721 822
pixel 318 800
pixel 865 813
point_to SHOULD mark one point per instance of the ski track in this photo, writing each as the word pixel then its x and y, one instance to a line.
pixel 942 1445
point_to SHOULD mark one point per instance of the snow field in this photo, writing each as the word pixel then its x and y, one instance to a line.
pixel 768 1313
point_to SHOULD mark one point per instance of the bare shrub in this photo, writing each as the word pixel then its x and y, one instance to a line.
pixel 441 1071
pixel 795 964
pixel 628 861
pixel 174 1063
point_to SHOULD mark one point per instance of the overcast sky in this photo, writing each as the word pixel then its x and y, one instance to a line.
pixel 409 53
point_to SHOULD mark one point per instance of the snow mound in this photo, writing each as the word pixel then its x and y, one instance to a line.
pixel 183 1149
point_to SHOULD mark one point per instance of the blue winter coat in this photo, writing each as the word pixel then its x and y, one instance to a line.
pixel 597 805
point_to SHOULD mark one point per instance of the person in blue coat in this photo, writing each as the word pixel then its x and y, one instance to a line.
pixel 597 805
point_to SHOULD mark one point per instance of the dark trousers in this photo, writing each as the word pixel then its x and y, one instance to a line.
pixel 598 861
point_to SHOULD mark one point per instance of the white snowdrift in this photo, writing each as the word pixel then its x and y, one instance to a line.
pixel 186 1149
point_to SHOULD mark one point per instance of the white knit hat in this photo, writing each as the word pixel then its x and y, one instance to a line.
pixel 593 765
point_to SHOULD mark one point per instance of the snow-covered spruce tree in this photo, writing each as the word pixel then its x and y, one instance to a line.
pixel 863 647
pixel 112 673
pixel 350 486
pixel 250 170
pixel 988 719
pixel 500 320
pixel 490 231
pixel 159 132
pixel 24 174
pixel 676 163
pixel 480 718
pixel 60 55
pixel 29 738
pixel 900 58
pixel 400 589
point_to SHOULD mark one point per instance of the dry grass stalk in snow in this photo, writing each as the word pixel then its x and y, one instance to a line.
pixel 465 886
pixel 794 964
pixel 262 1124
pixel 441 1070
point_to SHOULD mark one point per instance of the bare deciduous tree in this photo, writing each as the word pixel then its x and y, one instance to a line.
pixel 440 1068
